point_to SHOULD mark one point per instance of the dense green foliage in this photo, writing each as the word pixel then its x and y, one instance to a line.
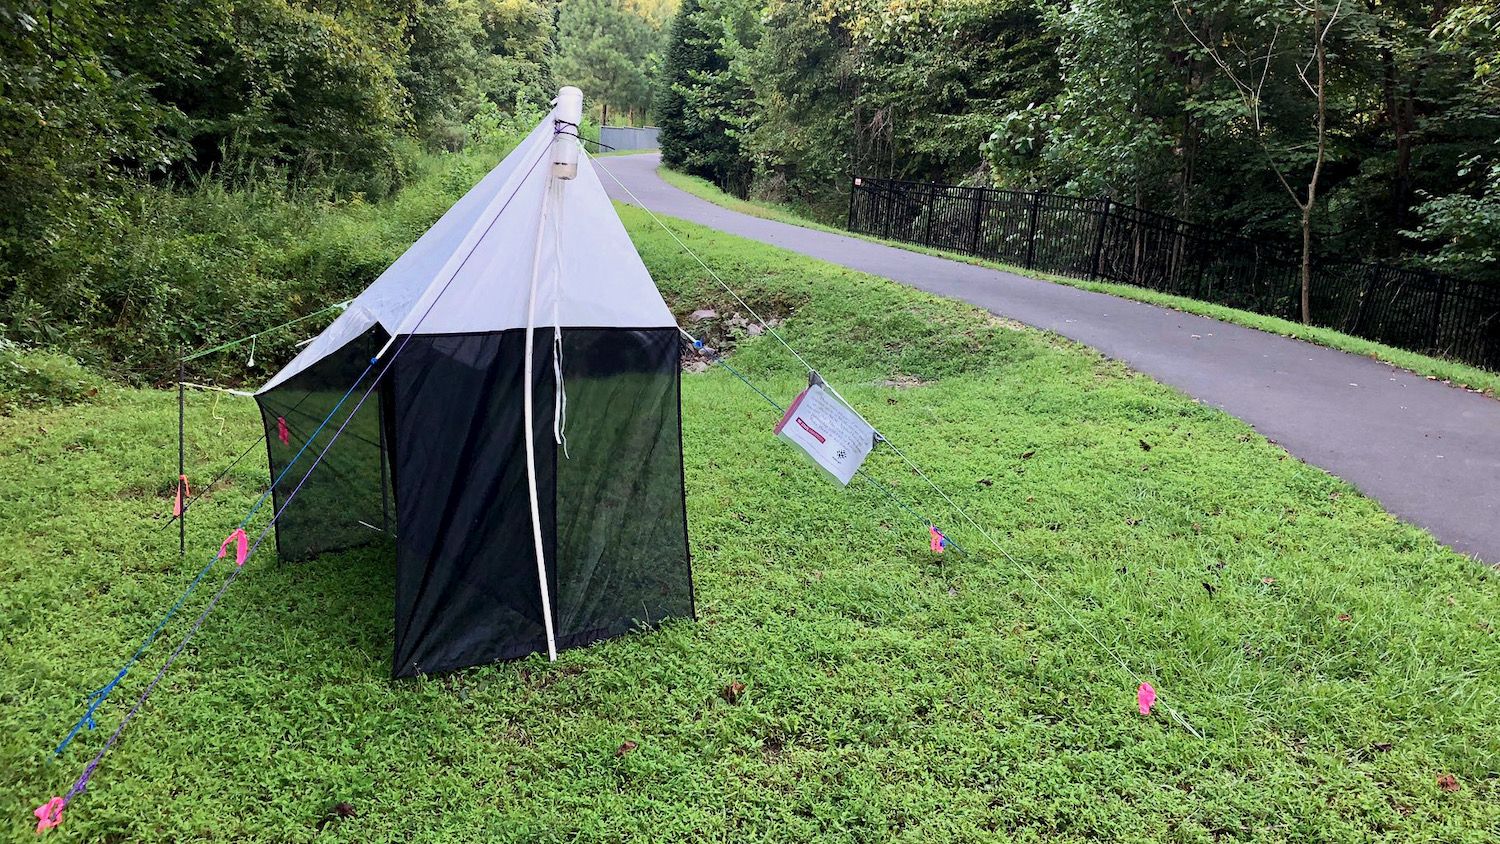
pixel 159 155
pixel 797 95
pixel 188 266
pixel 165 163
pixel 1337 662
pixel 1206 109
pixel 168 164
pixel 612 50
pixel 702 101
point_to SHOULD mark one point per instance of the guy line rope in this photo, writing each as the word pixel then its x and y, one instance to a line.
pixel 964 514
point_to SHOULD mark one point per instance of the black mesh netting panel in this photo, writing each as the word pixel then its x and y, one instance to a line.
pixel 613 523
pixel 345 500
pixel 466 581
pixel 622 553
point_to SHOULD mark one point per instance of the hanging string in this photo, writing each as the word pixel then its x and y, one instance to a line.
pixel 204 490
pixel 963 514
pixel 97 698
pixel 250 338
pixel 560 398
pixel 213 408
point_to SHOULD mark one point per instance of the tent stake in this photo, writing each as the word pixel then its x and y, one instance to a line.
pixel 181 454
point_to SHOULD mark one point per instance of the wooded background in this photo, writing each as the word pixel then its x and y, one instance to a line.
pixel 1207 110
pixel 178 170
pixel 175 171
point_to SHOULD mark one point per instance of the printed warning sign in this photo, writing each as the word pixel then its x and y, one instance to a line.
pixel 831 433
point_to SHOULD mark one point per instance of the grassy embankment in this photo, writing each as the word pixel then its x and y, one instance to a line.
pixel 1338 663
pixel 1455 372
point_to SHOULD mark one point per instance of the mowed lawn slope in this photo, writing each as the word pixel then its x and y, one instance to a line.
pixel 1341 666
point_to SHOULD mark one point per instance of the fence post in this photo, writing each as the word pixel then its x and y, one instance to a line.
pixel 931 208
pixel 1370 274
pixel 853 186
pixel 887 210
pixel 1036 208
pixel 978 218
pixel 1099 242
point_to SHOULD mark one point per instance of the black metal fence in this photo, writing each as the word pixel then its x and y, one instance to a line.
pixel 1096 238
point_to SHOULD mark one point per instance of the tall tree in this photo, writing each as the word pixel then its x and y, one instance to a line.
pixel 837 87
pixel 441 71
pixel 1118 124
pixel 612 51
pixel 1270 54
pixel 102 102
pixel 1460 221
pixel 703 98
pixel 79 110
pixel 461 54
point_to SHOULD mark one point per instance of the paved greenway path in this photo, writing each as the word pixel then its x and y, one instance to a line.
pixel 1428 452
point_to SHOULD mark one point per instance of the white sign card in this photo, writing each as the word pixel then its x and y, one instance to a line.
pixel 832 434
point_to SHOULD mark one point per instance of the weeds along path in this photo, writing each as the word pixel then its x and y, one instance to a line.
pixel 1428 452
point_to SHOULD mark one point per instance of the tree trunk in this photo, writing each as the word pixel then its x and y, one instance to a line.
pixel 1320 52
pixel 1307 261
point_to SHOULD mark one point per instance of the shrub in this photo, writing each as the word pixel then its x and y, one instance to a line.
pixel 36 378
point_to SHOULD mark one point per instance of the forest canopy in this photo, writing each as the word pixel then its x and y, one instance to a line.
pixel 1203 109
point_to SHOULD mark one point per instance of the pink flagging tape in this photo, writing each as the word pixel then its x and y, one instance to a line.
pixel 241 543
pixel 49 814
pixel 939 542
pixel 282 431
pixel 183 493
pixel 1145 698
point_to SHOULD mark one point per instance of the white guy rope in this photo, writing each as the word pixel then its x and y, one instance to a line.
pixel 560 399
pixel 536 507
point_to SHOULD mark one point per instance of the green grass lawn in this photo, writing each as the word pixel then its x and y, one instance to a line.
pixel 1336 661
pixel 1455 372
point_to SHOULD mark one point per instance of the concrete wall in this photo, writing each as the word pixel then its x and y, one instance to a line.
pixel 628 137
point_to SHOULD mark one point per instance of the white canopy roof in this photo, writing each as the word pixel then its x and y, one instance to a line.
pixel 471 272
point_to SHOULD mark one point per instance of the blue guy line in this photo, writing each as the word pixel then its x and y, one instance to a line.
pixel 96 698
